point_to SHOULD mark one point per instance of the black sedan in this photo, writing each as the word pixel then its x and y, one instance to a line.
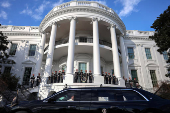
pixel 95 100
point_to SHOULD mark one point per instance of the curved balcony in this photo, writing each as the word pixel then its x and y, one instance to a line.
pixel 82 40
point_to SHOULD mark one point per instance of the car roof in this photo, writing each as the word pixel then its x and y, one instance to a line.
pixel 101 88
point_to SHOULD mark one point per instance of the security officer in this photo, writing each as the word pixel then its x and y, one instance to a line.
pixel 59 74
pixel 32 80
pixel 90 77
pixel 38 79
pixel 55 77
pixel 52 77
pixel 110 78
pixel 106 78
pixel 76 76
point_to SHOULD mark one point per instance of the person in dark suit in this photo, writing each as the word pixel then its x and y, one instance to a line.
pixel 32 80
pixel 86 76
pixel 55 77
pixel 62 76
pixel 106 78
pixel 110 78
pixel 59 75
pixel 81 76
pixel 49 80
pixel 38 79
pixel 90 77
pixel 52 77
pixel 76 76
pixel 113 79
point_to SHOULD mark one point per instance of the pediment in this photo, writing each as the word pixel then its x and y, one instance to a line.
pixel 152 65
pixel 134 65
pixel 28 62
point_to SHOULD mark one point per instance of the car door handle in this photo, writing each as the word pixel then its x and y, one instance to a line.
pixel 71 106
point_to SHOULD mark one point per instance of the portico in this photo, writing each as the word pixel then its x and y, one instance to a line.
pixel 74 21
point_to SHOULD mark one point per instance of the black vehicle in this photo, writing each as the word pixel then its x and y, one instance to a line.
pixel 96 100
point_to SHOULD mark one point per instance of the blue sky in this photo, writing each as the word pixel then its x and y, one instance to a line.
pixel 136 14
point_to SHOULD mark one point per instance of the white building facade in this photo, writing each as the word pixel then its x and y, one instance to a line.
pixel 83 35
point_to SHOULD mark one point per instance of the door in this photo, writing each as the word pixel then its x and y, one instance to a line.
pixel 134 102
pixel 107 101
pixel 83 67
pixel 64 101
pixel 85 99
pixel 27 75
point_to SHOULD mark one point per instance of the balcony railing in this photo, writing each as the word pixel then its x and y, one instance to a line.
pixel 80 40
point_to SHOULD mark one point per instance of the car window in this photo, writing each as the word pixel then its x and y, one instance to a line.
pixel 130 95
pixel 68 96
pixel 107 95
pixel 85 95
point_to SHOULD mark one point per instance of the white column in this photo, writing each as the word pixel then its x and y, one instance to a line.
pixel 70 57
pixel 116 62
pixel 40 53
pixel 124 59
pixel 49 59
pixel 96 53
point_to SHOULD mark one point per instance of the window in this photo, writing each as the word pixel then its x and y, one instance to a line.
pixel 83 67
pixel 165 55
pixel 130 53
pixel 134 74
pixel 7 70
pixel 32 50
pixel 130 95
pixel 153 78
pixel 82 39
pixel 112 71
pixel 64 67
pixel 85 95
pixel 27 74
pixel 107 95
pixel 13 49
pixel 148 53
pixel 101 69
pixel 68 96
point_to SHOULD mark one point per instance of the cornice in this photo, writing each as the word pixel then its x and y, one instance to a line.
pixel 21 34
pixel 53 14
pixel 137 38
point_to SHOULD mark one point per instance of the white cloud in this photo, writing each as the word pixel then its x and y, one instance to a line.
pixel 3 15
pixel 5 4
pixel 128 6
pixel 9 22
pixel 42 7
pixel 57 3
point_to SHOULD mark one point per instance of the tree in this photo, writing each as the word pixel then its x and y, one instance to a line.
pixel 3 46
pixel 162 34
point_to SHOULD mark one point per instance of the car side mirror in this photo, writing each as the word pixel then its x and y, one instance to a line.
pixel 51 100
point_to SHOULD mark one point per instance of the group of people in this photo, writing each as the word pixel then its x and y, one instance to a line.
pixel 38 80
pixel 81 77
pixel 109 79
pixel 56 77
